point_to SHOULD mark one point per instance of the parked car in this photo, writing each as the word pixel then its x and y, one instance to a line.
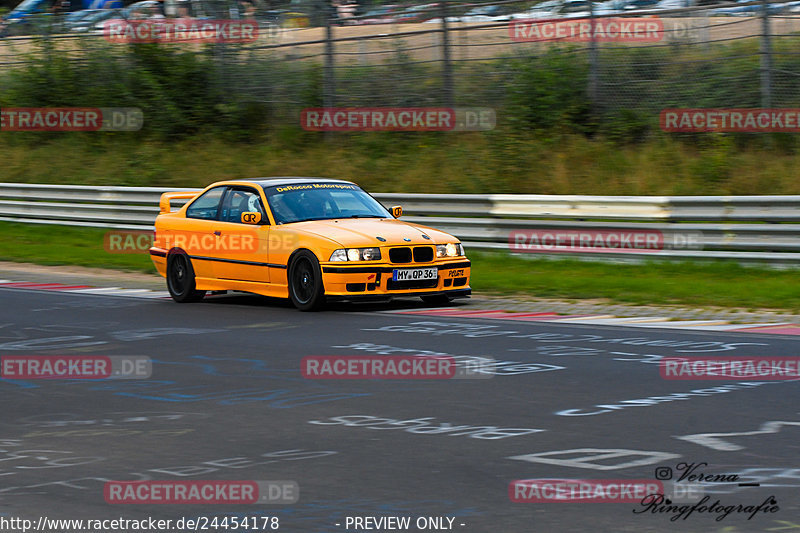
pixel 419 13
pixel 494 13
pixel 382 15
pixel 755 9
pixel 89 18
pixel 141 10
pixel 574 8
pixel 640 5
pixel 542 10
pixel 611 7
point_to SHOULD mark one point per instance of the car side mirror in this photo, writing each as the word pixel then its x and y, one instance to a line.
pixel 251 217
pixel 397 211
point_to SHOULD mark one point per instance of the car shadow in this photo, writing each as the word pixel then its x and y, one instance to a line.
pixel 255 300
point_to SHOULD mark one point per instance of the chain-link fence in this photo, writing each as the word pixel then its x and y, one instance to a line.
pixel 537 65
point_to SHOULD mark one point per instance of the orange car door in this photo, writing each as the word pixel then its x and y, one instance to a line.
pixel 241 252
pixel 194 234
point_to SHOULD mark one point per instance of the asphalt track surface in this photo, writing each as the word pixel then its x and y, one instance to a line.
pixel 226 401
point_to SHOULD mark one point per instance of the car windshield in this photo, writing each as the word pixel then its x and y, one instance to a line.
pixel 321 201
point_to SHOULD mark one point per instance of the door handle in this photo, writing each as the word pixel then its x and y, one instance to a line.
pixel 217 233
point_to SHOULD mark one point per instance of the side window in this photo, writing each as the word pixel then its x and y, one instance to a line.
pixel 207 206
pixel 239 201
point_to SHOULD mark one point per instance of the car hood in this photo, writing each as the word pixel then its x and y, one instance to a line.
pixel 352 233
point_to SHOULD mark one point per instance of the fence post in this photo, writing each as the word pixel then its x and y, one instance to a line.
pixel 447 67
pixel 329 81
pixel 766 57
pixel 593 61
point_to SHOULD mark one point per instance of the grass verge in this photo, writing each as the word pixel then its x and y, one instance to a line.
pixel 47 244
pixel 722 284
pixel 478 163
pixel 655 283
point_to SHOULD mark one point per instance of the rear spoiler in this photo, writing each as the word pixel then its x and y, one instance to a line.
pixel 167 197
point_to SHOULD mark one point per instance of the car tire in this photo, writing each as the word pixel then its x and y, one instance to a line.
pixel 436 299
pixel 305 282
pixel 180 279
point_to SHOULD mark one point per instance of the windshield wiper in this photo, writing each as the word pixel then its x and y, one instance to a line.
pixel 366 216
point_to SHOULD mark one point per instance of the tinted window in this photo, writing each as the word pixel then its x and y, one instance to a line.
pixel 239 201
pixel 207 206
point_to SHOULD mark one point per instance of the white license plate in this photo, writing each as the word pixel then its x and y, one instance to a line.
pixel 414 274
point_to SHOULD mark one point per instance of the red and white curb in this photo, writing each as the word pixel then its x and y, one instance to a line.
pixel 83 289
pixel 778 328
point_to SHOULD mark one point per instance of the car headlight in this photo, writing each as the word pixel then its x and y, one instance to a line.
pixel 449 250
pixel 356 254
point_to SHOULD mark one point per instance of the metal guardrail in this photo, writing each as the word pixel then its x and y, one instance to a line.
pixel 745 228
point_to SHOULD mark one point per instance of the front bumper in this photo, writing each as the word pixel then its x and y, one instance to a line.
pixel 383 297
pixel 374 281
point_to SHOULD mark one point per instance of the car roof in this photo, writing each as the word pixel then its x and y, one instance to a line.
pixel 271 182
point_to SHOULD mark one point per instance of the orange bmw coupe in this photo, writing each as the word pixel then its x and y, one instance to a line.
pixel 312 240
